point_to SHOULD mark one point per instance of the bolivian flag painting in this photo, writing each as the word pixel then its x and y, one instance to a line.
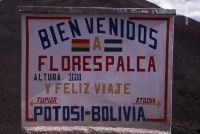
pixel 80 45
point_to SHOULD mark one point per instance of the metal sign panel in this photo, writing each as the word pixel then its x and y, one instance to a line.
pixel 97 70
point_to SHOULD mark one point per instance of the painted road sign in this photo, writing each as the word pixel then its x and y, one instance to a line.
pixel 100 69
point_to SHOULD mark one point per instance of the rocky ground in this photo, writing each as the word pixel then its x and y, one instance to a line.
pixel 186 72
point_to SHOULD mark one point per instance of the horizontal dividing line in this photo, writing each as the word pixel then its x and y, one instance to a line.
pixel 38 103
pixel 112 49
pixel 47 17
pixel 80 49
pixel 155 120
pixel 80 41
pixel 156 104
pixel 113 41
pixel 44 103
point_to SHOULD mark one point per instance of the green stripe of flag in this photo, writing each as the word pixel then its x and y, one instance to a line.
pixel 112 49
pixel 80 49
pixel 113 41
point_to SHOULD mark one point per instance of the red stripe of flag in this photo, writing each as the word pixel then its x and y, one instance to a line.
pixel 80 41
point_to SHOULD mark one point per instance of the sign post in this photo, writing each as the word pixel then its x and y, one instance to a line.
pixel 97 67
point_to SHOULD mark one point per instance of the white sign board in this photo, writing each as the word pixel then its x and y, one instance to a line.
pixel 96 69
